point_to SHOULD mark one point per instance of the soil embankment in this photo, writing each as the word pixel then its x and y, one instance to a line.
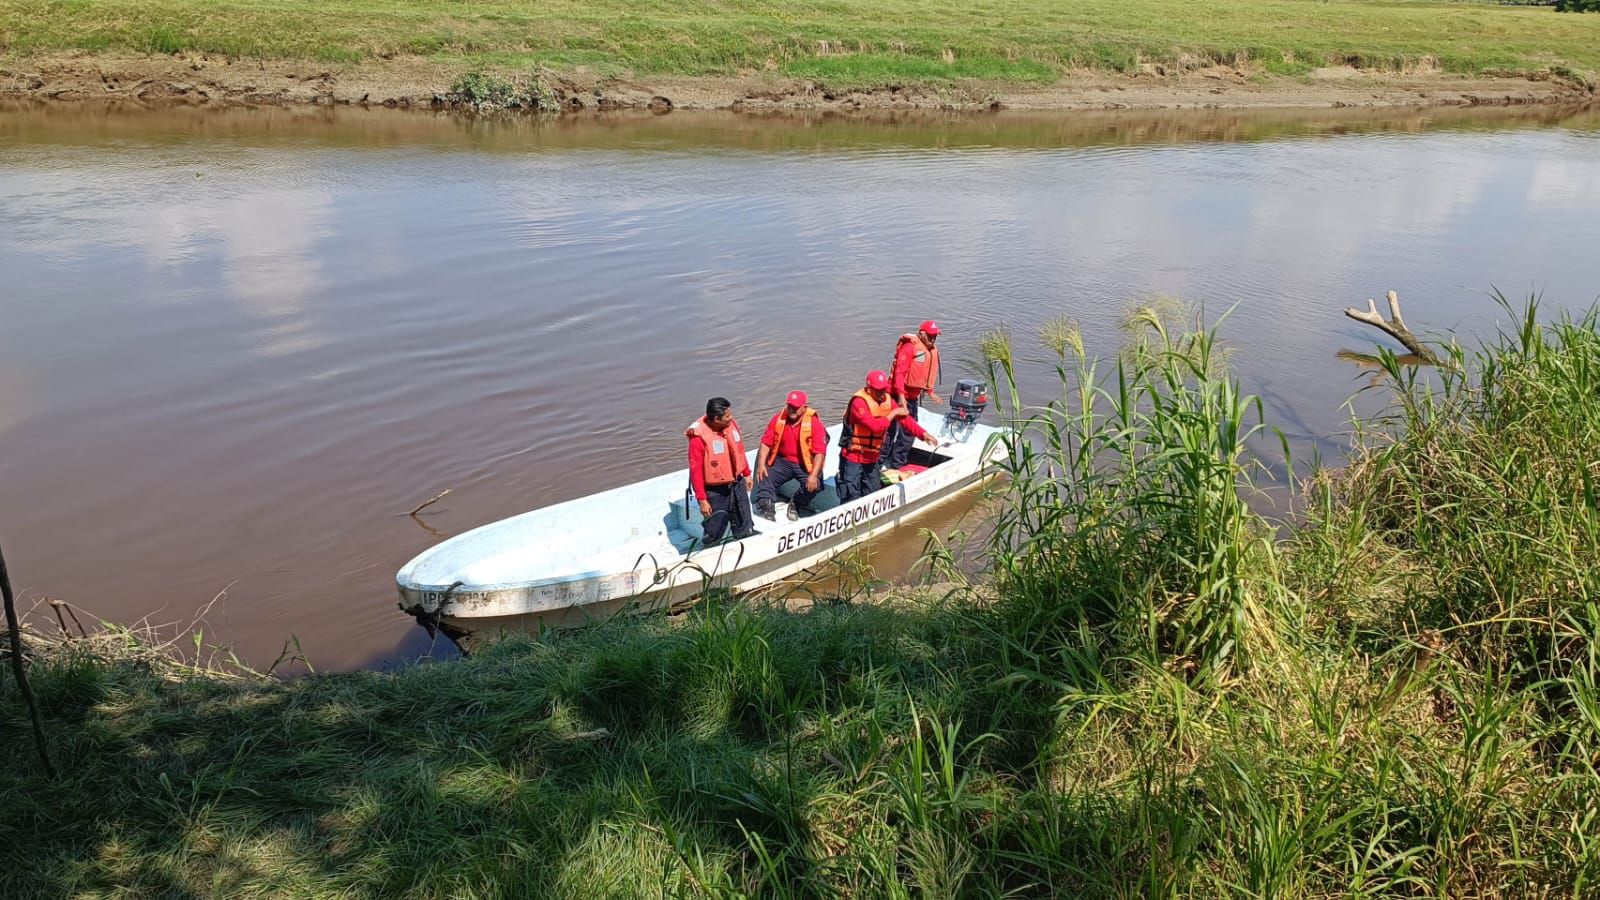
pixel 205 79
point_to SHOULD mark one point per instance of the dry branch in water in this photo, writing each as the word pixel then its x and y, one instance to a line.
pixel 1395 327
pixel 424 505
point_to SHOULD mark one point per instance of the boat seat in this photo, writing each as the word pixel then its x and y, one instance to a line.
pixel 685 526
pixel 827 498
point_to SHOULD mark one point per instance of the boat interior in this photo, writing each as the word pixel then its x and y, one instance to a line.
pixel 683 520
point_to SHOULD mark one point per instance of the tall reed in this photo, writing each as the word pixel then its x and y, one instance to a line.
pixel 1127 515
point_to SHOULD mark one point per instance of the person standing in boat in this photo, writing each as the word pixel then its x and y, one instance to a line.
pixel 792 449
pixel 719 473
pixel 912 376
pixel 867 420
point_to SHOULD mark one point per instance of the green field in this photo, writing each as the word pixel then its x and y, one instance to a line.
pixel 1155 693
pixel 866 42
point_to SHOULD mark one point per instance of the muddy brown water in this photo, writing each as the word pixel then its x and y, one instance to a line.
pixel 236 346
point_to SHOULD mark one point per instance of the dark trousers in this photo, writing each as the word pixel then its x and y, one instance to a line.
pixel 781 472
pixel 856 480
pixel 730 505
pixel 897 445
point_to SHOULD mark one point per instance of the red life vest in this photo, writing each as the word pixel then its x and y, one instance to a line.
pixel 923 372
pixel 858 438
pixel 779 423
pixel 724 451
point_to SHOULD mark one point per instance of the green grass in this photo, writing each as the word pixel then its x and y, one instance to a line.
pixel 861 43
pixel 1156 692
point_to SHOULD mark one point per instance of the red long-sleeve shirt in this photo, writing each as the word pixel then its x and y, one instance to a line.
pixel 877 425
pixel 697 465
pixel 789 444
pixel 904 356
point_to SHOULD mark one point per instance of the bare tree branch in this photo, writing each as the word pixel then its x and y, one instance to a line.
pixel 58 606
pixel 1395 327
pixel 20 669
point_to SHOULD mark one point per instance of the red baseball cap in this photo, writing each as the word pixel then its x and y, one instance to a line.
pixel 797 399
pixel 930 326
pixel 877 380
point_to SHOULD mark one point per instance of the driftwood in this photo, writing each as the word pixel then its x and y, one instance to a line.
pixel 1394 327
pixel 427 503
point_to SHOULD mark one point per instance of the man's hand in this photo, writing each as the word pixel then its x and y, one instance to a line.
pixel 814 482
pixel 761 471
pixel 930 440
pixel 933 398
pixel 705 509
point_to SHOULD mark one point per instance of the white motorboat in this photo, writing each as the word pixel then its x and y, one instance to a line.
pixel 643 542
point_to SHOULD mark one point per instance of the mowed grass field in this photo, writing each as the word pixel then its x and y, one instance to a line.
pixel 865 41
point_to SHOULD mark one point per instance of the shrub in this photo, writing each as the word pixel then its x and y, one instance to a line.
pixel 484 91
pixel 488 92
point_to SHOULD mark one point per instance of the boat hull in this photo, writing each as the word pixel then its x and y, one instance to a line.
pixel 658 579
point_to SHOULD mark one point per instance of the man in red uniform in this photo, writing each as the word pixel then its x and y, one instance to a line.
pixel 719 472
pixel 866 423
pixel 792 449
pixel 912 377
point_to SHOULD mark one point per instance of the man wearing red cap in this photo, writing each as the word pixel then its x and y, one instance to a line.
pixel 914 374
pixel 792 449
pixel 866 422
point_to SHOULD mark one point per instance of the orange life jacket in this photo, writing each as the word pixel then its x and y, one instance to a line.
pixel 858 438
pixel 724 451
pixel 923 372
pixel 779 423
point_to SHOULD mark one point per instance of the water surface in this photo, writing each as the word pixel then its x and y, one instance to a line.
pixel 236 346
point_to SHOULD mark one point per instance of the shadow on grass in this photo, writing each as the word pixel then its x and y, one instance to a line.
pixel 739 748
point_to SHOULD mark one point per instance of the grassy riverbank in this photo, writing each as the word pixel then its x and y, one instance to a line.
pixel 863 44
pixel 1159 693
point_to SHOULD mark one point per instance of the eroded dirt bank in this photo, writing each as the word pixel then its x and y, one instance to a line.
pixel 422 83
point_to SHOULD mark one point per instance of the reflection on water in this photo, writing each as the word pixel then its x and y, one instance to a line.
pixel 1374 363
pixel 236 347
pixel 74 124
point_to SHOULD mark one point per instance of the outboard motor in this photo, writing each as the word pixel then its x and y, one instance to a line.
pixel 967 402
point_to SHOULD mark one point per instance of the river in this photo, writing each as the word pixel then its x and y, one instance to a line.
pixel 236 346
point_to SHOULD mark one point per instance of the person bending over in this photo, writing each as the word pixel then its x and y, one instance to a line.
pixel 866 422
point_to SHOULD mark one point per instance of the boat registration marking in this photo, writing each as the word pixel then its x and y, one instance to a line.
pixel 838 522
pixel 441 597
